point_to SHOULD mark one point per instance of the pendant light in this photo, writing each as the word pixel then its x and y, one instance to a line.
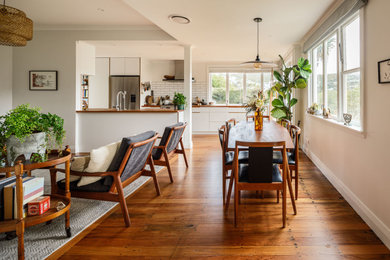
pixel 257 63
pixel 15 28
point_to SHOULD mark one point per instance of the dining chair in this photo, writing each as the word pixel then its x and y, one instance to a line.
pixel 286 124
pixel 227 159
pixel 260 173
pixel 169 145
pixel 292 156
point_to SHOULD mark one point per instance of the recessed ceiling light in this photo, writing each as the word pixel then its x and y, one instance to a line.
pixel 100 9
pixel 179 19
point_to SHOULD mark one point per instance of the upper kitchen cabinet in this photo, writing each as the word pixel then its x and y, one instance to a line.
pixel 85 55
pixel 124 66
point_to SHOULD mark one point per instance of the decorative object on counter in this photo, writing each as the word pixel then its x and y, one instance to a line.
pixel 313 109
pixel 84 106
pixel 179 100
pixel 211 103
pixel 384 71
pixel 257 63
pixel 291 78
pixel 149 100
pixel 257 105
pixel 325 112
pixel 26 131
pixel 169 77
pixel 199 102
pixel 15 28
pixel 347 119
pixel 43 80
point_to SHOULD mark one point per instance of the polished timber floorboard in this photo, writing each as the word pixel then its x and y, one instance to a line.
pixel 188 220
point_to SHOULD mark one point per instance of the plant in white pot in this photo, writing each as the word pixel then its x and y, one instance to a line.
pixel 26 131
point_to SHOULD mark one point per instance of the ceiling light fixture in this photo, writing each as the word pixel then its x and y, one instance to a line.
pixel 15 28
pixel 179 19
pixel 257 63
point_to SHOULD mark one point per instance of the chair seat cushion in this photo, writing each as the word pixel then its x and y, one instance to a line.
pixel 278 158
pixel 97 186
pixel 242 157
pixel 243 173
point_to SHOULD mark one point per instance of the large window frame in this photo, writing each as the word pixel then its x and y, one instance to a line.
pixel 227 83
pixel 341 72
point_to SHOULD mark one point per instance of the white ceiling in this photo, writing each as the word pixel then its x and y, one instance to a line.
pixel 220 30
pixel 80 12
pixel 223 30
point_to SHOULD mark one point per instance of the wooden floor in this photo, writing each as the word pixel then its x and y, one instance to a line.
pixel 188 220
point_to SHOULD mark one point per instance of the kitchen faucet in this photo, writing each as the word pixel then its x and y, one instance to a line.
pixel 121 101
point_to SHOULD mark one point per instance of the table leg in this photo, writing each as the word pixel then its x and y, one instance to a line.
pixel 291 190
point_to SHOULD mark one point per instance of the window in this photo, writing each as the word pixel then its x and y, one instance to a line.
pixel 236 88
pixel 335 82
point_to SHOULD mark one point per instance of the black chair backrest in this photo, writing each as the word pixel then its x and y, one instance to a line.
pixel 221 135
pixel 138 157
pixel 260 164
pixel 295 132
pixel 175 139
pixel 173 142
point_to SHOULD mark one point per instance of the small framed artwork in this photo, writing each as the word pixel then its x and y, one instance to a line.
pixel 43 80
pixel 384 71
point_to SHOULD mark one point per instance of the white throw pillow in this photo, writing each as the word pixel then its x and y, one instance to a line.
pixel 100 160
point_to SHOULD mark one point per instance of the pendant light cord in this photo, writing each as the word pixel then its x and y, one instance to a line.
pixel 258 40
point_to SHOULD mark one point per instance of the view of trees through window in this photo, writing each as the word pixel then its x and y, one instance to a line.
pixel 241 87
pixel 334 76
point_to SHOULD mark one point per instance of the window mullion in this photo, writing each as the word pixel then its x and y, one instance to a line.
pixel 324 78
pixel 244 91
pixel 227 89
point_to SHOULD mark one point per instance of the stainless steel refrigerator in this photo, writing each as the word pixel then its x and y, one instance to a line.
pixel 130 84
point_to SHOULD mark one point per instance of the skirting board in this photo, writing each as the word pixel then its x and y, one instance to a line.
pixel 379 228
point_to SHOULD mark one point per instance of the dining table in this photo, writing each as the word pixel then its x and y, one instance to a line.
pixel 244 131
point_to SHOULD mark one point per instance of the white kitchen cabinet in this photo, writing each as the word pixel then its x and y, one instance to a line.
pixel 85 55
pixel 99 84
pixel 124 66
pixel 206 120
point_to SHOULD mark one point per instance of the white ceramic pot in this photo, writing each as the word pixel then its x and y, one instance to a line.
pixel 35 143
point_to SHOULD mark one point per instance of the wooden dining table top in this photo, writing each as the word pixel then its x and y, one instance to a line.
pixel 272 132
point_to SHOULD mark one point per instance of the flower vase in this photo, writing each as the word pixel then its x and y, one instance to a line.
pixel 258 121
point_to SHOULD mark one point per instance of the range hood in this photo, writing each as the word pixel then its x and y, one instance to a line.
pixel 179 71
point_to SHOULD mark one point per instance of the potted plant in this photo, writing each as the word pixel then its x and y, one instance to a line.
pixel 290 78
pixel 258 106
pixel 179 100
pixel 25 130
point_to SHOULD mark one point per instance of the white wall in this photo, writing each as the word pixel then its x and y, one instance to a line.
pixel 5 79
pixel 357 164
pixel 56 50
pixel 99 84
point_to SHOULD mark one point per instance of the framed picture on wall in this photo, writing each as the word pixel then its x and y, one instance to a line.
pixel 43 80
pixel 384 71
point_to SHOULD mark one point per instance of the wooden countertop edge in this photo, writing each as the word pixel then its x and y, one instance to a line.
pixel 128 111
pixel 194 106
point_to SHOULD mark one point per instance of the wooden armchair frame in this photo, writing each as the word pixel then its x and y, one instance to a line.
pixel 115 192
pixel 164 158
pixel 295 132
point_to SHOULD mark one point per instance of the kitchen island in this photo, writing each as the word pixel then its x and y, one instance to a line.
pixel 100 126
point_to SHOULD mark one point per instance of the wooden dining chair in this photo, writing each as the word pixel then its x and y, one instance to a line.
pixel 260 173
pixel 227 160
pixel 169 145
pixel 285 123
pixel 292 156
pixel 127 166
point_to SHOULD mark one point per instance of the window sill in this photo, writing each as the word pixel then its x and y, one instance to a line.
pixel 351 129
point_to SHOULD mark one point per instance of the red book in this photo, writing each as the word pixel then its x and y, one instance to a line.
pixel 38 206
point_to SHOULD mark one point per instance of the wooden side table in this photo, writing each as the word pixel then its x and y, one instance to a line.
pixel 20 223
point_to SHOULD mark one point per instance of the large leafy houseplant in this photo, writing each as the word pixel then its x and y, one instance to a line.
pixel 24 121
pixel 288 79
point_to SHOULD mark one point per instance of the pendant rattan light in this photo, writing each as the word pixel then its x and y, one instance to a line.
pixel 15 28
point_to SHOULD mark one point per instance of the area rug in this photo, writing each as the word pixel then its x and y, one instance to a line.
pixel 42 240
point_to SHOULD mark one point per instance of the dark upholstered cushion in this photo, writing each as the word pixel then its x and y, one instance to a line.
pixel 98 186
pixel 242 157
pixel 172 144
pixel 126 142
pixel 244 173
pixel 278 158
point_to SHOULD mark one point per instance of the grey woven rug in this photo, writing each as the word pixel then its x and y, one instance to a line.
pixel 42 240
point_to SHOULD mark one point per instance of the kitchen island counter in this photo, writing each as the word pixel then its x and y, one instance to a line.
pixel 112 110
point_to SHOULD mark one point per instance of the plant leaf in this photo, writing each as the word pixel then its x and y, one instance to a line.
pixel 278 76
pixel 277 103
pixel 278 113
pixel 305 74
pixel 301 62
pixel 300 83
pixel 293 102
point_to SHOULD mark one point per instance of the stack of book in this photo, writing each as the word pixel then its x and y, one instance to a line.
pixel 32 189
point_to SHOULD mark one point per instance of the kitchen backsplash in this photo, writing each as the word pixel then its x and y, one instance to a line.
pixel 163 88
